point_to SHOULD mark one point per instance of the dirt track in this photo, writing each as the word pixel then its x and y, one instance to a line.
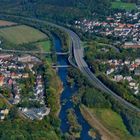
pixel 6 23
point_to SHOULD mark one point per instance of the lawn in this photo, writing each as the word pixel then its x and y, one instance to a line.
pixel 44 45
pixel 123 5
pixel 21 34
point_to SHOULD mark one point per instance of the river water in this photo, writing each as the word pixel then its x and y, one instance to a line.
pixel 66 96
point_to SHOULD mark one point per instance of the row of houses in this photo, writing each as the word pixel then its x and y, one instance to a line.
pixel 118 64
pixel 125 26
pixel 13 70
pixel 116 67
pixel 37 113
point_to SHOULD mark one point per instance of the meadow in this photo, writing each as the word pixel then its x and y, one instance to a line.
pixel 123 5
pixel 21 34
pixel 113 122
pixel 44 45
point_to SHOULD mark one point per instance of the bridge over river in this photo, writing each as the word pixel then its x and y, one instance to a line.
pixel 32 52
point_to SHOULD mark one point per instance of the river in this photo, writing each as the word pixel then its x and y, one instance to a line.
pixel 66 96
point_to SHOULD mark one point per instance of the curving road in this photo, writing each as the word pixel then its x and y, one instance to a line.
pixel 83 67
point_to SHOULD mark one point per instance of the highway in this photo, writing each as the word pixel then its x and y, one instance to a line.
pixel 78 52
pixel 32 52
pixel 83 67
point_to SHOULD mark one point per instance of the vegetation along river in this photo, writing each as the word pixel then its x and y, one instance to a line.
pixel 66 96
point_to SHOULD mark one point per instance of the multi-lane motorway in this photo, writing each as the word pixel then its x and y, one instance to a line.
pixel 83 67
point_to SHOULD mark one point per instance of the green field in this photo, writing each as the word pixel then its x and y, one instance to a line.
pixel 113 122
pixel 123 5
pixel 21 34
pixel 44 45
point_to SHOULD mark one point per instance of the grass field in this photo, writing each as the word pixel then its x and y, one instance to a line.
pixel 123 5
pixel 44 45
pixel 109 124
pixel 112 121
pixel 21 34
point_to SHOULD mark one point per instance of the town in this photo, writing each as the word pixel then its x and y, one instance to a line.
pixel 123 27
pixel 22 85
pixel 126 70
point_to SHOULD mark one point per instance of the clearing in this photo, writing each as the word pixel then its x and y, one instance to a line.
pixel 123 5
pixel 21 34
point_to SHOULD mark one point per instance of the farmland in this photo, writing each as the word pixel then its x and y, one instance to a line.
pixel 106 119
pixel 6 23
pixel 123 5
pixel 21 34
pixel 44 45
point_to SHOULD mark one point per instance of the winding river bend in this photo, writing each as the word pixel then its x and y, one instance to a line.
pixel 66 96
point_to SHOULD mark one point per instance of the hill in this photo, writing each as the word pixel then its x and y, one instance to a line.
pixel 61 10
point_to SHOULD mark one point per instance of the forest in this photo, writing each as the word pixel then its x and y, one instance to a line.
pixel 52 10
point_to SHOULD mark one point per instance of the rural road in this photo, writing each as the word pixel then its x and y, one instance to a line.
pixel 32 52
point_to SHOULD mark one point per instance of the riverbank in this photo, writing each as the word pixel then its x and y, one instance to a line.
pixel 107 122
pixel 92 120
pixel 66 97
pixel 60 93
pixel 58 86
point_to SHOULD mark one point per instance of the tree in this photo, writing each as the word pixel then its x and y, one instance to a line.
pixel 94 98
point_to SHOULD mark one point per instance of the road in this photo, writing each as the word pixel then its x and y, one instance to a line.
pixel 83 67
pixel 32 52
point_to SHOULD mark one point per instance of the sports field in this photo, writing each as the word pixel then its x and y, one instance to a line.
pixel 123 5
pixel 21 34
